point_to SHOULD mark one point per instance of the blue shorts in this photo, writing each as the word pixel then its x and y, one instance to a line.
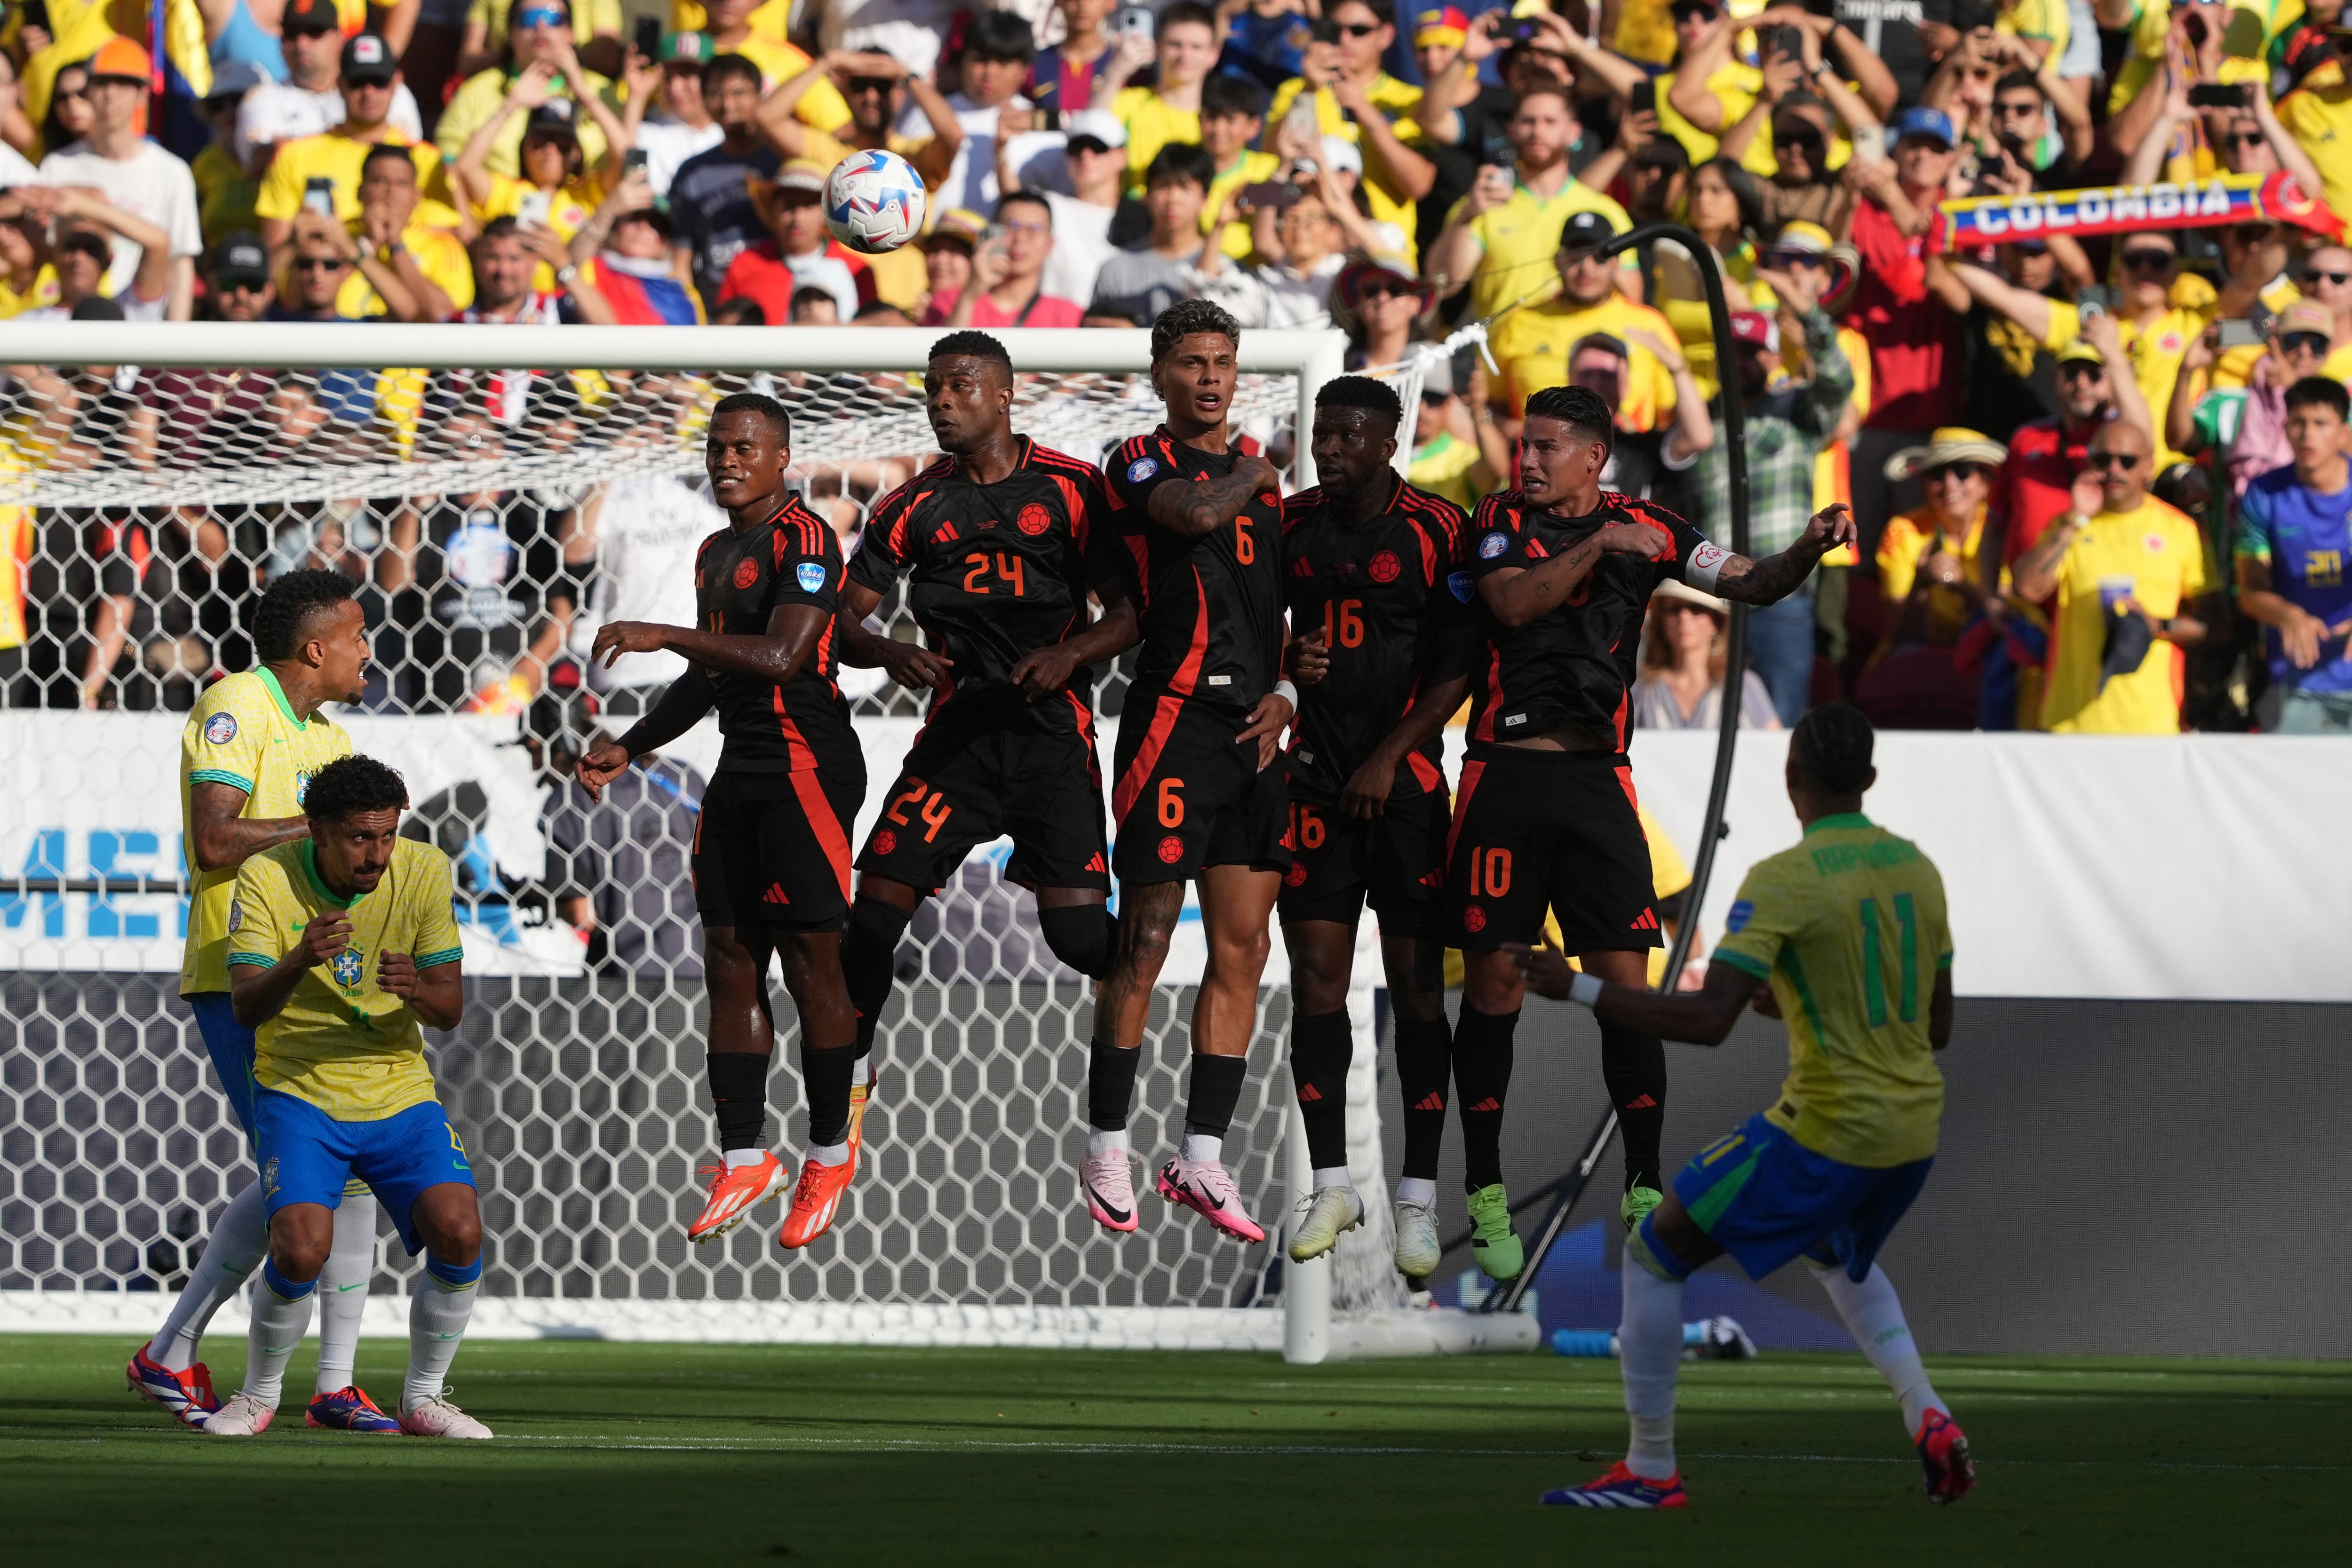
pixel 307 1157
pixel 230 1045
pixel 1765 1197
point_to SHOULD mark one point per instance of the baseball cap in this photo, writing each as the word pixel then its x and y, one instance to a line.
pixel 1097 125
pixel 120 58
pixel 241 259
pixel 1585 230
pixel 311 16
pixel 1338 152
pixel 802 175
pixel 1920 120
pixel 684 48
pixel 957 226
pixel 367 57
pixel 2305 316
pixel 2080 352
pixel 1442 24
pixel 234 79
pixel 1755 329
pixel 1661 153
pixel 556 117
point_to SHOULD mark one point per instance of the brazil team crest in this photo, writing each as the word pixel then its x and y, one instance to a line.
pixel 269 1177
pixel 348 968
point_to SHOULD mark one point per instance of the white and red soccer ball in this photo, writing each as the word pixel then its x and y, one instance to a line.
pixel 874 202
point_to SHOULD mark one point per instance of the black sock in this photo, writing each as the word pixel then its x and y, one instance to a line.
pixel 739 1096
pixel 1215 1090
pixel 1110 1084
pixel 824 1078
pixel 1633 1066
pixel 1083 935
pixel 869 957
pixel 1482 1075
pixel 1424 1053
pixel 1321 1045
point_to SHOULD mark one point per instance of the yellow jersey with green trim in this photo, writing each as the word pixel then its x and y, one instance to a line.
pixel 353 1050
pixel 1849 928
pixel 242 734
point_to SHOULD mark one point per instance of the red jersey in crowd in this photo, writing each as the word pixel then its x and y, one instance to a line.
pixel 1916 357
pixel 2035 483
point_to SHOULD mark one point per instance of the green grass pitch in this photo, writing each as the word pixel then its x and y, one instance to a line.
pixel 718 1454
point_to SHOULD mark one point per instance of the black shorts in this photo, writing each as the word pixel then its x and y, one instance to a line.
pixel 1395 863
pixel 966 783
pixel 1189 797
pixel 1533 828
pixel 772 848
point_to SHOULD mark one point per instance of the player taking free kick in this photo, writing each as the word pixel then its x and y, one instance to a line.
pixel 1546 813
pixel 1196 797
pixel 340 946
pixel 771 845
pixel 1845 938
pixel 995 536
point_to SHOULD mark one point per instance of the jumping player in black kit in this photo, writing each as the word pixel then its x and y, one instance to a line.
pixel 1546 813
pixel 1194 797
pixel 1374 573
pixel 771 847
pixel 995 536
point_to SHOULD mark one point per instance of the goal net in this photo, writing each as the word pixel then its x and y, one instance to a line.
pixel 152 479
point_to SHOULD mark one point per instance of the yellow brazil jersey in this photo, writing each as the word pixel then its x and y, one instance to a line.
pixel 1518 240
pixel 1151 124
pixel 2037 22
pixel 2155 351
pixel 242 733
pixel 1850 930
pixel 2154 556
pixel 1735 86
pixel 1442 466
pixel 1532 344
pixel 1249 169
pixel 225 194
pixel 821 106
pixel 331 155
pixel 476 102
pixel 347 1047
pixel 41 290
pixel 2319 115
pixel 1396 101
pixel 438 252
pixel 569 207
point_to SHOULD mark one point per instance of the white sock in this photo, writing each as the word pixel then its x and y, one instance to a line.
pixel 234 1249
pixel 1650 1353
pixel 829 1154
pixel 737 1157
pixel 1422 1190
pixel 1201 1147
pixel 279 1325
pixel 1101 1141
pixel 343 1290
pixel 863 1072
pixel 1874 1317
pixel 1332 1176
pixel 437 1315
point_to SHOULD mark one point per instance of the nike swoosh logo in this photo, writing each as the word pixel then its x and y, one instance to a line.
pixel 1118 1214
pixel 361 1286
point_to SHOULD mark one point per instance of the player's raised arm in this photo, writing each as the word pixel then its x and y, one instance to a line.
pixel 774 655
pixel 218 837
pixel 1773 579
pixel 1201 508
pixel 1703 1016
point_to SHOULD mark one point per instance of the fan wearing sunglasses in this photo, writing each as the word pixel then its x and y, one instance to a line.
pixel 2327 277
pixel 2244 138
pixel 1355 100
pixel 1927 557
pixel 2245 425
pixel 2126 571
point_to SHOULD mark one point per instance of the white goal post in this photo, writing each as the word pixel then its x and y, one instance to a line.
pixel 163 472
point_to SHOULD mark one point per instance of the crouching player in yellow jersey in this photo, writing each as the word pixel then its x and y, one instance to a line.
pixel 340 946
pixel 1848 931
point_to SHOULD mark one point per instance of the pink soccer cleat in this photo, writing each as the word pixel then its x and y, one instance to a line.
pixel 1206 1189
pixel 1108 1182
pixel 1944 1451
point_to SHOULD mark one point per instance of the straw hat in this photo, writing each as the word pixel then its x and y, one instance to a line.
pixel 1676 589
pixel 1946 446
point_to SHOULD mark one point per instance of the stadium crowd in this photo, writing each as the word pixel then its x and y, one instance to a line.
pixel 2101 479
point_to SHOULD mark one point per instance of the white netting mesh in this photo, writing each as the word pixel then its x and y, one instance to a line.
pixel 492 517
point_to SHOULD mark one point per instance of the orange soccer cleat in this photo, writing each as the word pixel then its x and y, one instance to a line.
pixel 735 1190
pixel 814 1202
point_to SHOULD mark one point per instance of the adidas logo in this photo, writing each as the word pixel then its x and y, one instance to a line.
pixel 1309 1094
pixel 1488 1103
pixel 775 894
pixel 1300 569
pixel 1647 920
pixel 1096 862
pixel 1643 1104
pixel 1432 1102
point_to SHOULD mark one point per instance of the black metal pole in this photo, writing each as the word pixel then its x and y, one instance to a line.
pixel 1731 431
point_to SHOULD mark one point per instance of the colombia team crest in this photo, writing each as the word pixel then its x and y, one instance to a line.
pixel 1385 566
pixel 1035 519
pixel 747 573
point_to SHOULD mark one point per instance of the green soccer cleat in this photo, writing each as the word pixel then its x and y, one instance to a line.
pixel 1332 1210
pixel 1637 1202
pixel 1499 1253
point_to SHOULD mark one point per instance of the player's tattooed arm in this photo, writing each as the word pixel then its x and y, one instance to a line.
pixel 1044 671
pixel 256 994
pixel 221 839
pixel 1773 579
pixel 1201 508
pixel 910 664
pixel 436 996
pixel 676 711
pixel 1518 595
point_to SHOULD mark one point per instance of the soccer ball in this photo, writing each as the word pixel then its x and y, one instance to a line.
pixel 873 201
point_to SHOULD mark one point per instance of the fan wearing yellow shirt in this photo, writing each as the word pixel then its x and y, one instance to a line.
pixel 1534 343
pixel 2318 113
pixel 1183 51
pixel 336 155
pixel 252 745
pixel 340 946
pixel 2126 570
pixel 558 189
pixel 1846 938
pixel 1232 114
pixel 1354 100
pixel 487 23
pixel 538 33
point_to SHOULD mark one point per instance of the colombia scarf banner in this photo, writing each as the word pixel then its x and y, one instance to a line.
pixel 2222 200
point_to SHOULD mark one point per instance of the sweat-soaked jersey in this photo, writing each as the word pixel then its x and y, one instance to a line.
pixel 1210 608
pixel 999 571
pixel 1574 666
pixel 1384 593
pixel 741 580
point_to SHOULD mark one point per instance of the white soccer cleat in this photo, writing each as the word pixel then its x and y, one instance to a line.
pixel 1332 1210
pixel 243 1416
pixel 437 1418
pixel 1108 1182
pixel 1417 1253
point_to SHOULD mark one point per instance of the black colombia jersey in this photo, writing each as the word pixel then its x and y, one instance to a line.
pixel 741 579
pixel 998 571
pixel 1211 607
pixel 1385 592
pixel 1575 667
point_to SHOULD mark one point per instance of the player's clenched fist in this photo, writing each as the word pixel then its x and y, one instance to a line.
pixel 605 761
pixel 395 974
pixel 325 937
pixel 1631 539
